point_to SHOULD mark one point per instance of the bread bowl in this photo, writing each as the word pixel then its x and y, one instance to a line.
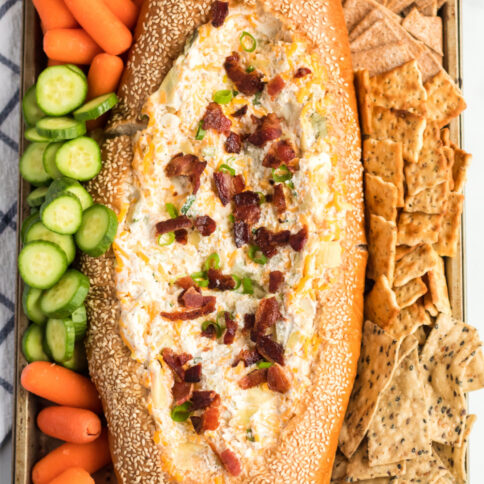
pixel 280 434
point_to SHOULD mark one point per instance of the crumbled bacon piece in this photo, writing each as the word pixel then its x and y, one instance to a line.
pixel 219 13
pixel 268 129
pixel 181 236
pixel 205 225
pixel 197 423
pixel 209 332
pixel 185 282
pixel 219 281
pixel 248 83
pixel 277 379
pixel 302 72
pixel 279 199
pixel 186 165
pixel 254 378
pixel 227 185
pixel 241 233
pixel 298 240
pixel 191 298
pixel 275 86
pixel 248 357
pixel 276 278
pixel 241 111
pixel 203 399
pixel 215 119
pixel 173 224
pixel 246 207
pixel 231 329
pixel 175 362
pixel 233 143
pixel 207 307
pixel 182 392
pixel 271 350
pixel 249 321
pixel 267 315
pixel 268 241
pixel 210 418
pixel 230 462
pixel 194 373
pixel 280 153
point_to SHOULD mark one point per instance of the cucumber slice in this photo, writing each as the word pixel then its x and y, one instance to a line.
pixel 36 197
pixel 39 231
pixel 76 69
pixel 31 167
pixel 68 294
pixel 48 160
pixel 30 109
pixel 61 213
pixel 27 223
pixel 60 90
pixel 31 134
pixel 31 306
pixel 79 318
pixel 65 184
pixel 78 362
pixel 97 231
pixel 57 129
pixel 41 264
pixel 96 107
pixel 60 339
pixel 79 159
pixel 32 344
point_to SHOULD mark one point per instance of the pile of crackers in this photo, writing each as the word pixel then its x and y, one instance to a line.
pixel 407 421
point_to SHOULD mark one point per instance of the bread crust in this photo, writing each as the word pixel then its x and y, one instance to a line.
pixel 306 449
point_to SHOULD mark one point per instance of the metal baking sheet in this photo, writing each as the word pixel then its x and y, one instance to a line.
pixel 29 444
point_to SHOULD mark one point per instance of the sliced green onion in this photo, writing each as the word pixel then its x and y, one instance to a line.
pixel 247 287
pixel 200 132
pixel 247 42
pixel 232 218
pixel 257 96
pixel 221 319
pixel 250 435
pixel 264 364
pixel 212 262
pixel 181 412
pixel 262 198
pixel 253 251
pixel 218 329
pixel 188 204
pixel 250 68
pixel 172 210
pixel 238 281
pixel 166 239
pixel 227 169
pixel 235 93
pixel 203 283
pixel 200 278
pixel 223 97
pixel 281 174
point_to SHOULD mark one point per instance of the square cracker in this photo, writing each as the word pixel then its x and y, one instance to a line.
pixel 416 228
pixel 450 159
pixel 382 240
pixel 431 168
pixel 426 29
pixel 473 378
pixel 445 136
pixel 378 358
pixel 462 161
pixel 384 158
pixel 381 303
pixel 381 197
pixel 449 231
pixel 399 429
pixel 408 320
pixel 362 85
pixel 414 264
pixel 378 34
pixel 400 126
pixel 445 100
pixel 438 287
pixel 409 293
pixel 431 200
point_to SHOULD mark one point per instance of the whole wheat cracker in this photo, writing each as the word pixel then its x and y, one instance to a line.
pixel 416 228
pixel 429 62
pixel 382 240
pixel 449 231
pixel 378 34
pixel 427 7
pixel 414 264
pixel 398 5
pixel 426 29
pixel 376 13
pixel 354 11
pixel 473 378
pixel 462 162
pixel 381 305
pixel 381 197
pixel 410 292
pixel 437 283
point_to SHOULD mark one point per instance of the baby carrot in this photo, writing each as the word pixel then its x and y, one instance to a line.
pixel 74 475
pixel 90 457
pixel 75 425
pixel 54 14
pixel 125 10
pixel 70 45
pixel 104 75
pixel 101 24
pixel 60 385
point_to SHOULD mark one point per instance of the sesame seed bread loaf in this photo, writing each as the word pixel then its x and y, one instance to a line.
pixel 305 435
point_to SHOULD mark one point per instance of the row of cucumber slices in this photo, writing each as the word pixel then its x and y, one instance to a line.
pixel 63 214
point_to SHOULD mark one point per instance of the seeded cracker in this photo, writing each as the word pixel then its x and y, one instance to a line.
pixel 407 321
pixel 415 264
pixel 449 232
pixel 400 126
pixel 409 293
pixel 454 457
pixel 382 240
pixel 431 200
pixel 427 469
pixel 417 228
pixel 421 335
pixel 462 161
pixel 376 365
pixel 339 466
pixel 381 304
pixel 438 287
pixel 445 100
pixel 384 158
pixel 381 197
pixel 399 429
pixel 474 373
pixel 449 348
pixel 426 29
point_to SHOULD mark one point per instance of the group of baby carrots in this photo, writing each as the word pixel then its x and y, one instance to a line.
pixel 75 420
